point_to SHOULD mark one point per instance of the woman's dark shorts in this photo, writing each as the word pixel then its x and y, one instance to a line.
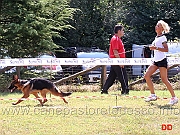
pixel 162 63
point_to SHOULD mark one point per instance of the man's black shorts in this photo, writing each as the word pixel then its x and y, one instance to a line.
pixel 162 63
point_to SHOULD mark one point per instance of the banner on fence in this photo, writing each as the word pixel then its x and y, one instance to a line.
pixel 82 61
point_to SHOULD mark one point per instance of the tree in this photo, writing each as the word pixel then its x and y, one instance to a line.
pixel 88 26
pixel 27 26
pixel 169 11
pixel 110 16
pixel 140 17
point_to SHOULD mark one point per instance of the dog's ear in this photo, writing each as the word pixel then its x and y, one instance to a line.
pixel 15 77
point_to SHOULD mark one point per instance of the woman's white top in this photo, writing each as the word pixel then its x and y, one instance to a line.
pixel 158 42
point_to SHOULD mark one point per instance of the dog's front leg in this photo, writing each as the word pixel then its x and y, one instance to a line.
pixel 21 99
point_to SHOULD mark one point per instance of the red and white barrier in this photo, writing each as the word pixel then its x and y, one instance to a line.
pixel 82 97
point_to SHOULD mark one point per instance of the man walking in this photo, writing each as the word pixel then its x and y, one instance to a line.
pixel 116 50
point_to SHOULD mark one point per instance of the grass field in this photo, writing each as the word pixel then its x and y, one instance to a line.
pixel 90 113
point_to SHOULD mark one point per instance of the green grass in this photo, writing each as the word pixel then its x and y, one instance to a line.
pixel 94 115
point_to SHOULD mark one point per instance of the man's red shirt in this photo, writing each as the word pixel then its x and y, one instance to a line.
pixel 116 44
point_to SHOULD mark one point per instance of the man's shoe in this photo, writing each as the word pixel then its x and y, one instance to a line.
pixel 104 92
pixel 124 93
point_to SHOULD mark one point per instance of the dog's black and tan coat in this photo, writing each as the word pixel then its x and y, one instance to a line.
pixel 36 86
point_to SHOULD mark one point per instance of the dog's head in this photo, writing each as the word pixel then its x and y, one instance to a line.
pixel 16 83
pixel 13 84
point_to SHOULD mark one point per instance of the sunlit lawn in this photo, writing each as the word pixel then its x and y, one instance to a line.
pixel 90 113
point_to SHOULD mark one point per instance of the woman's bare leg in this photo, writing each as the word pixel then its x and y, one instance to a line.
pixel 151 69
pixel 164 78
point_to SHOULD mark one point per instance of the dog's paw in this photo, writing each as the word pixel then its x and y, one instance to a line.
pixel 13 103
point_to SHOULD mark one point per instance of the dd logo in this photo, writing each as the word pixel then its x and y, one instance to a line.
pixel 166 127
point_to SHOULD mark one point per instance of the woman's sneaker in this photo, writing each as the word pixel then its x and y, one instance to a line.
pixel 151 98
pixel 173 100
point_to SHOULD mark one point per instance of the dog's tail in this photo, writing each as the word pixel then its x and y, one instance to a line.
pixel 63 94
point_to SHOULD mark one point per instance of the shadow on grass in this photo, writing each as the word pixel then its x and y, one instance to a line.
pixel 165 106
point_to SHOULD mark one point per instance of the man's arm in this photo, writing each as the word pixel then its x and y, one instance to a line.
pixel 116 54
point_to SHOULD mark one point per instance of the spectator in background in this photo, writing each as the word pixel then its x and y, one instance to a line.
pixel 159 45
pixel 116 50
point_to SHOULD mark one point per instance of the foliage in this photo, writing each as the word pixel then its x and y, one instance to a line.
pixel 27 26
pixel 4 82
pixel 110 18
pixel 140 17
pixel 88 23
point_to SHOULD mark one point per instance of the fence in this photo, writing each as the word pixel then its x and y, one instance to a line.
pixel 69 70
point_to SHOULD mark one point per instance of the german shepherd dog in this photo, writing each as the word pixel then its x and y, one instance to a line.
pixel 36 86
